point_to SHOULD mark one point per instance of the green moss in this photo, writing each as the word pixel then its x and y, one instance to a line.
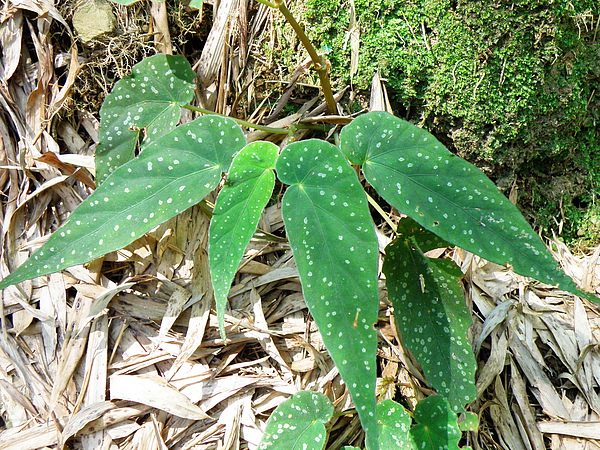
pixel 589 231
pixel 511 85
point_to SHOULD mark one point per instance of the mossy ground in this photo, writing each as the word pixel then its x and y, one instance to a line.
pixel 510 85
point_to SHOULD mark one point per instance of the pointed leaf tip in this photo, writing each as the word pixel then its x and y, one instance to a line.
pixel 170 175
pixel 432 317
pixel 417 175
pixel 331 232
pixel 237 211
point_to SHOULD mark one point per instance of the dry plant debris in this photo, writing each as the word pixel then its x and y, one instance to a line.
pixel 124 352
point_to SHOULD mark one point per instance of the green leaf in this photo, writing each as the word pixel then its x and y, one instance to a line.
pixel 151 97
pixel 437 425
pixel 298 423
pixel 470 422
pixel 172 174
pixel 237 211
pixel 417 175
pixel 432 316
pixel 333 238
pixel 425 239
pixel 394 426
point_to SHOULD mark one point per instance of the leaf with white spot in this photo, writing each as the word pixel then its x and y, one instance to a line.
pixel 432 316
pixel 417 175
pixel 170 175
pixel 425 239
pixel 437 425
pixel 333 238
pixel 394 426
pixel 470 422
pixel 298 423
pixel 151 98
pixel 237 211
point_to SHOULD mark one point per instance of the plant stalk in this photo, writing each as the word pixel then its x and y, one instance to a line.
pixel 290 130
pixel 320 63
pixel 240 121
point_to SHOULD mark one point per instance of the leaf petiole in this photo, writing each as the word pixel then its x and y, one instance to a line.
pixel 240 121
pixel 381 212
pixel 266 3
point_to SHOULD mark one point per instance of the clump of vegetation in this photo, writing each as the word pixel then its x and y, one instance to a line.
pixel 328 223
pixel 510 86
pixel 110 56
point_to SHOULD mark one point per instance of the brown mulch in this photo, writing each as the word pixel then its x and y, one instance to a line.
pixel 124 352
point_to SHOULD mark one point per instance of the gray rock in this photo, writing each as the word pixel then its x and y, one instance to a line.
pixel 93 18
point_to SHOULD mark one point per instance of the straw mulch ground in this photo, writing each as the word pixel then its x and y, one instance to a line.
pixel 124 352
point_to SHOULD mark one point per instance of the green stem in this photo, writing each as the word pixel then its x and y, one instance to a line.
pixel 241 122
pixel 345 413
pixel 290 130
pixel 381 212
pixel 308 126
pixel 266 3
pixel 321 64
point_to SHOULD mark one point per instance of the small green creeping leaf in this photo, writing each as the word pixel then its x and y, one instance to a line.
pixel 237 211
pixel 333 238
pixel 431 315
pixel 470 422
pixel 437 425
pixel 170 175
pixel 151 97
pixel 394 426
pixel 417 175
pixel 298 423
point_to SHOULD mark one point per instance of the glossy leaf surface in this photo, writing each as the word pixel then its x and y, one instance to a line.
pixel 298 423
pixel 436 426
pixel 333 238
pixel 151 98
pixel 431 314
pixel 237 211
pixel 394 426
pixel 417 175
pixel 172 174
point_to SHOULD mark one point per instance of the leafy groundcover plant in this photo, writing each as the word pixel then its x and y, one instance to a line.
pixel 330 230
